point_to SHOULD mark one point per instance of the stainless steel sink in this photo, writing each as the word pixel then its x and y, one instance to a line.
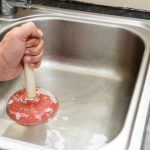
pixel 96 66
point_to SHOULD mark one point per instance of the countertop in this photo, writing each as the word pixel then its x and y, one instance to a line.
pixel 103 10
pixel 119 11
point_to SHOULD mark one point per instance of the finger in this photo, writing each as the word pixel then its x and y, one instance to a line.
pixel 36 50
pixel 37 58
pixel 35 65
pixel 27 58
pixel 33 42
pixel 33 59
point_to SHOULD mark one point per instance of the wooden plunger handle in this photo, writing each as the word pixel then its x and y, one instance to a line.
pixel 30 81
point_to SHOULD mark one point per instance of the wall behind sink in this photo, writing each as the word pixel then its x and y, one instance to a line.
pixel 136 4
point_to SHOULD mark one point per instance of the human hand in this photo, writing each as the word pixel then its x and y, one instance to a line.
pixel 22 43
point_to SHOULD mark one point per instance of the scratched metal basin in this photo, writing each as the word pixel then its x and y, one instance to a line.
pixel 95 66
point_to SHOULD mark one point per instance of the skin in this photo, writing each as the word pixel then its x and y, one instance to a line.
pixel 21 44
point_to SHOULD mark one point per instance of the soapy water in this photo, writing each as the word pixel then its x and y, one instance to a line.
pixel 90 141
pixel 75 128
pixel 76 138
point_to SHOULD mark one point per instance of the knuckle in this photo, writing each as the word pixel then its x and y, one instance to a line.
pixel 13 32
pixel 42 44
pixel 34 58
pixel 15 29
pixel 32 24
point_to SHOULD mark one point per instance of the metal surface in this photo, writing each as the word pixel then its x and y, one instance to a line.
pixel 96 67
pixel 8 7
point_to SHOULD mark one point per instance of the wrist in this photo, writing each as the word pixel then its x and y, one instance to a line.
pixel 6 72
pixel 9 73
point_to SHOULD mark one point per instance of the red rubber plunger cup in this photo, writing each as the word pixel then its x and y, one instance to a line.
pixel 31 106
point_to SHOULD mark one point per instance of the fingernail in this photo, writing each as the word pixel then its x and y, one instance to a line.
pixel 27 58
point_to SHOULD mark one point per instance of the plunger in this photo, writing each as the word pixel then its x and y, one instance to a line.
pixel 31 105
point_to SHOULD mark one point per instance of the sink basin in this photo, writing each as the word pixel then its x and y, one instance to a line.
pixel 96 66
